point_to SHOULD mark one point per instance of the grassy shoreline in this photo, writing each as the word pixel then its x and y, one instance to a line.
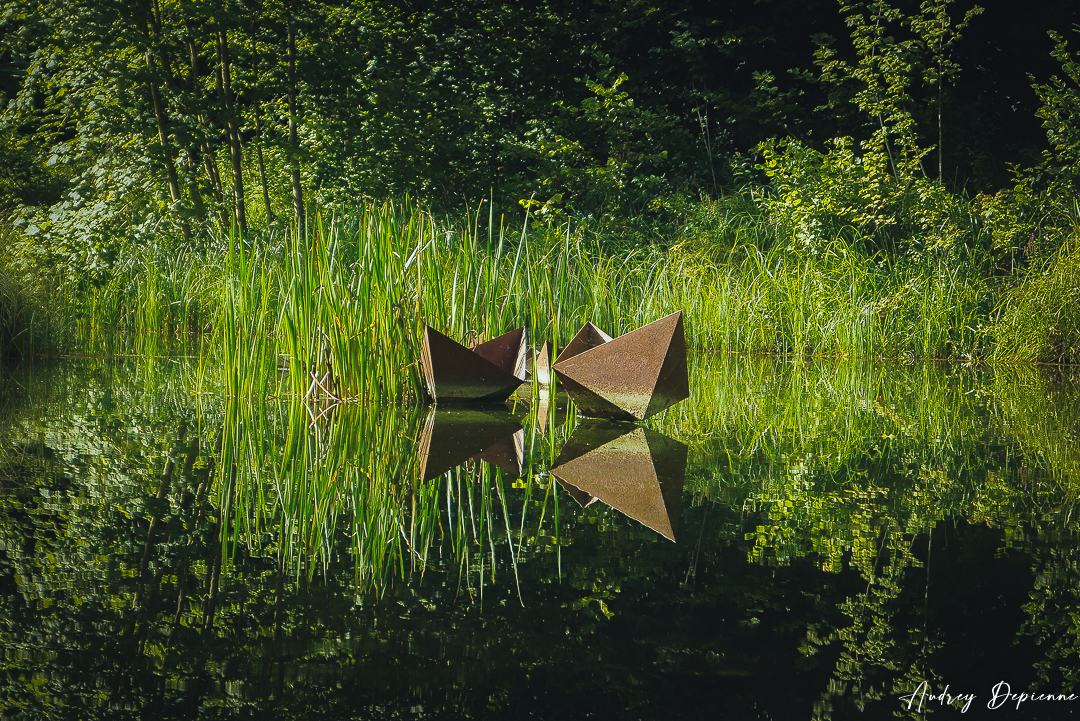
pixel 361 286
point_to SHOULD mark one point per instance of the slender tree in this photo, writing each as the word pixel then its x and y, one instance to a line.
pixel 935 28
pixel 232 121
pixel 294 146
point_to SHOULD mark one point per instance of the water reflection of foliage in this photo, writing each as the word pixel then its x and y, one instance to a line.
pixel 842 467
pixel 853 463
pixel 821 447
pixel 115 495
pixel 1052 614
pixel 848 462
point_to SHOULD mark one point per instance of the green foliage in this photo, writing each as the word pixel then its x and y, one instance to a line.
pixel 875 191
pixel 13 304
pixel 34 313
pixel 25 179
pixel 1060 113
pixel 609 159
pixel 174 118
pixel 817 196
pixel 881 78
pixel 880 82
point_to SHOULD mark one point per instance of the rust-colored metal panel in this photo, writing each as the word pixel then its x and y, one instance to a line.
pixel 673 382
pixel 456 374
pixel 588 337
pixel 506 352
pixel 631 377
pixel 592 404
pixel 635 470
pixel 452 436
pixel 583 498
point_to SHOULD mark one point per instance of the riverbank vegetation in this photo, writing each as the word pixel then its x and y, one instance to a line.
pixel 181 173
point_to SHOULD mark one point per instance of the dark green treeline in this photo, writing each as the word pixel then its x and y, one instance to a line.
pixel 590 105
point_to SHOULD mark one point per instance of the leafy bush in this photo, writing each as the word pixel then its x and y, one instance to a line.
pixel 1060 113
pixel 817 196
pixel 24 178
pixel 32 310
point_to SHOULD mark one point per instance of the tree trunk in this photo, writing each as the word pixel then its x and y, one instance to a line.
pixel 166 153
pixel 255 58
pixel 163 136
pixel 193 146
pixel 940 131
pixel 225 88
pixel 262 170
pixel 294 150
pixel 151 30
pixel 202 151
pixel 210 166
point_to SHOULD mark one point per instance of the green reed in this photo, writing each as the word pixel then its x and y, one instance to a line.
pixel 1040 317
pixel 356 289
pixel 35 309
pixel 352 296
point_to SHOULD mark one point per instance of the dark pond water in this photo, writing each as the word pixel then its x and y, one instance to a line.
pixel 847 538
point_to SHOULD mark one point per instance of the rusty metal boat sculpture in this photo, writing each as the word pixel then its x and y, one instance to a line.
pixel 628 378
pixel 487 373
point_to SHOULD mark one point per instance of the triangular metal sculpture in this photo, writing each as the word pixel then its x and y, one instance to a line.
pixel 487 373
pixel 542 395
pixel 542 365
pixel 628 378
pixel 451 437
pixel 633 469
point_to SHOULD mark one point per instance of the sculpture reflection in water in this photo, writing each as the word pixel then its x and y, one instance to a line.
pixel 451 437
pixel 637 471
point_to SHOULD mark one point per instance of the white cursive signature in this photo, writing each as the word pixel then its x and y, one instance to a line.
pixel 923 693
pixel 1002 694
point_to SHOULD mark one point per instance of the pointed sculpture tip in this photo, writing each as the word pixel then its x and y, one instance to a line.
pixel 507 351
pixel 542 365
pixel 637 471
pixel 587 338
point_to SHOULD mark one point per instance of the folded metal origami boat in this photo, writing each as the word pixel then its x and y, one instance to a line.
pixel 628 378
pixel 487 373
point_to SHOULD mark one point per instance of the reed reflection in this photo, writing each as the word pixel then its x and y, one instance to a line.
pixel 637 471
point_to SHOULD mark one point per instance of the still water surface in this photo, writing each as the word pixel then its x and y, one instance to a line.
pixel 845 535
